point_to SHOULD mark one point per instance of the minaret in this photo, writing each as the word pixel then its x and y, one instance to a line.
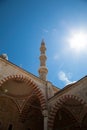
pixel 43 70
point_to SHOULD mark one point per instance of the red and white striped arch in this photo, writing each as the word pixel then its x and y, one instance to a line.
pixel 58 104
pixel 28 82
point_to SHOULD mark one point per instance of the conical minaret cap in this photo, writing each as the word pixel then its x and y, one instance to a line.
pixel 42 48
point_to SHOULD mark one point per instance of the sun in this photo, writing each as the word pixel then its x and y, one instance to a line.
pixel 78 41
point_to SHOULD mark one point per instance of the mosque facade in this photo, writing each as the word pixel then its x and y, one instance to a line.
pixel 28 102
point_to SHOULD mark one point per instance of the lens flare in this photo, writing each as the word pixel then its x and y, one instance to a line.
pixel 78 41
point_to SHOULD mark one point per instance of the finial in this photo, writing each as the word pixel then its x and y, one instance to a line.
pixel 4 56
pixel 43 42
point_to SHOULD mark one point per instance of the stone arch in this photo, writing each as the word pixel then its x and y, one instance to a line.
pixel 12 100
pixel 8 110
pixel 65 120
pixel 27 105
pixel 58 104
pixel 31 115
pixel 28 82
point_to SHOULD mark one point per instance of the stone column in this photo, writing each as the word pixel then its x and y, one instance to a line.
pixel 45 114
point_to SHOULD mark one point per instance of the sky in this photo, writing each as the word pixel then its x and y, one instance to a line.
pixel 63 26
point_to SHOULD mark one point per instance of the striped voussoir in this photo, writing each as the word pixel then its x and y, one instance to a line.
pixel 28 82
pixel 28 107
pixel 58 104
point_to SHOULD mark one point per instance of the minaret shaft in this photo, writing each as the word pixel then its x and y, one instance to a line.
pixel 43 70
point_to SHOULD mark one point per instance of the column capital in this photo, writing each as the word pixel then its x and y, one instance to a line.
pixel 45 113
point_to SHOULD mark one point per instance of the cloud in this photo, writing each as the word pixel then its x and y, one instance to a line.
pixel 45 30
pixel 54 30
pixel 21 65
pixel 65 77
pixel 56 57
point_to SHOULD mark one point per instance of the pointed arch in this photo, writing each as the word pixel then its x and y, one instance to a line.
pixel 31 114
pixel 8 110
pixel 27 107
pixel 8 100
pixel 28 82
pixel 58 104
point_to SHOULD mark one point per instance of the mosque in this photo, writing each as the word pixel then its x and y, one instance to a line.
pixel 28 102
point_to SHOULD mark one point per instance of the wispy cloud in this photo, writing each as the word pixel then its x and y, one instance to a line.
pixel 45 31
pixel 54 30
pixel 21 65
pixel 56 57
pixel 65 77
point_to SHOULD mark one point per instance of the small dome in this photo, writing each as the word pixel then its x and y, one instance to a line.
pixel 4 56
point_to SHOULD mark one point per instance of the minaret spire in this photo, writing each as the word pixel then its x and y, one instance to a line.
pixel 43 70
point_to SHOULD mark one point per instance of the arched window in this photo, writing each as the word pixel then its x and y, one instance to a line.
pixel 10 127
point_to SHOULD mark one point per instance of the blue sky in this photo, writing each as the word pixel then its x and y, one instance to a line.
pixel 23 25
